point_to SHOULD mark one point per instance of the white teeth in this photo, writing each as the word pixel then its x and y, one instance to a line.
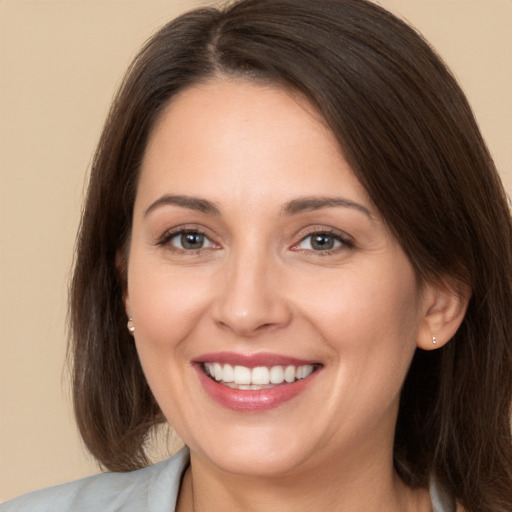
pixel 276 375
pixel 260 375
pixel 301 372
pixel 243 377
pixel 289 374
pixel 228 373
pixel 217 371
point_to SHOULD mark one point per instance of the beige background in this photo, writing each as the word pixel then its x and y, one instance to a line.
pixel 60 62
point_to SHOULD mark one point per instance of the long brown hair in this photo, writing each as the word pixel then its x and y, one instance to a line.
pixel 410 136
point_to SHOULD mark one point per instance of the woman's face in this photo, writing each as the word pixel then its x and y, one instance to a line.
pixel 257 256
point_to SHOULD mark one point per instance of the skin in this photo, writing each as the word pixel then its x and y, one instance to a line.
pixel 257 284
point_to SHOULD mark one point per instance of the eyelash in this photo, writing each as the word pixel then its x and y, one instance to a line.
pixel 180 231
pixel 344 241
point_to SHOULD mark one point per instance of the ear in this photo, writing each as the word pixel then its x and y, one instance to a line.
pixel 445 306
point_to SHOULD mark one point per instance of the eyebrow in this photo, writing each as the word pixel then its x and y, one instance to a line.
pixel 192 203
pixel 293 207
pixel 307 204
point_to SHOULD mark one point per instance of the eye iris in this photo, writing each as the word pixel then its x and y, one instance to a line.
pixel 192 240
pixel 322 242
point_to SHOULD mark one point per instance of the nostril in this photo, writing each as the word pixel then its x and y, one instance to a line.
pixel 246 328
pixel 250 309
pixel 265 327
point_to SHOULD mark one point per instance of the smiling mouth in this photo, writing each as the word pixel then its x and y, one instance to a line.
pixel 259 377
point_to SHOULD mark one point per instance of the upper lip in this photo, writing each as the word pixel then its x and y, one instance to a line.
pixel 252 360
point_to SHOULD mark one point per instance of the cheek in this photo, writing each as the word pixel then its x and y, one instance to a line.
pixel 165 303
pixel 375 346
pixel 365 302
pixel 166 308
pixel 370 320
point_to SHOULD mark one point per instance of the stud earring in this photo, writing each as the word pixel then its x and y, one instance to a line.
pixel 434 340
pixel 130 325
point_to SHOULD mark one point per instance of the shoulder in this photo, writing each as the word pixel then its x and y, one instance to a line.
pixel 150 489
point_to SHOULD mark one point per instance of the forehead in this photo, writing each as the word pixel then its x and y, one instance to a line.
pixel 234 136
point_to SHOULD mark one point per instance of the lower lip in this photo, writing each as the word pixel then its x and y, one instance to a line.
pixel 252 400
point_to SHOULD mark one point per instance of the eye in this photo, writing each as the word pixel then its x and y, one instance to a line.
pixel 188 240
pixel 320 242
pixel 323 241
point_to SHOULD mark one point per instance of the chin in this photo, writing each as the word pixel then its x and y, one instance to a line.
pixel 253 462
pixel 257 454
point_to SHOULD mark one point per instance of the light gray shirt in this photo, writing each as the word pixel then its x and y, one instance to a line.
pixel 152 489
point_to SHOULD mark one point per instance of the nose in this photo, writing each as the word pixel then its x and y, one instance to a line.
pixel 251 299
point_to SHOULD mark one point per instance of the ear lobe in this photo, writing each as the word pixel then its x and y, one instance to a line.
pixel 445 309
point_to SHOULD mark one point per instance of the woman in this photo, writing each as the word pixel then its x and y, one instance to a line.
pixel 297 251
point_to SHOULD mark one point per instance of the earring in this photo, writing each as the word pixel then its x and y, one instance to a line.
pixel 130 325
pixel 434 340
